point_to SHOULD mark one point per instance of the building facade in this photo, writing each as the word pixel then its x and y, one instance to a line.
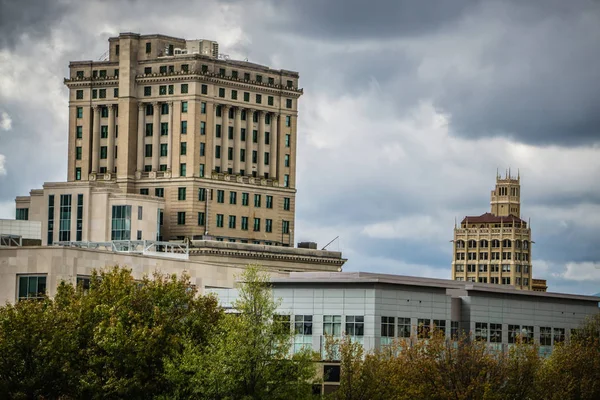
pixel 209 141
pixel 30 272
pixel 495 247
pixel 377 309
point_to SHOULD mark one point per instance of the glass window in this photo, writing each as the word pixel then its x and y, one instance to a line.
pixel 22 214
pixel 258 99
pixel 355 325
pixel 559 335
pixel 404 327
pixel 232 197
pixel 286 203
pixel 245 199
pixel 303 324
pixel 201 170
pixel 257 200
pixel 121 223
pixel 181 218
pixel 269 201
pixel 182 169
pixel 423 328
pixel 440 325
pixel 387 326
pixel 79 94
pixel 256 224
pixel 513 332
pixel 545 336
pixel 184 88
pixel 181 193
pixel 332 325
pixel 64 230
pixel 244 223
pixel 183 127
pixel 268 225
pixel 32 287
pixel 232 222
pixel 159 192
pixel 220 196
pixel 285 227
pixel 288 103
pixel 201 218
pixel 481 331
pixel 219 220
pixel 183 149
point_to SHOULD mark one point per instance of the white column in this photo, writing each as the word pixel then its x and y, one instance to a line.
pixel 274 134
pixel 224 138
pixel 237 135
pixel 96 140
pixel 170 138
pixel 260 161
pixel 110 151
pixel 249 126
pixel 155 137
pixel 141 135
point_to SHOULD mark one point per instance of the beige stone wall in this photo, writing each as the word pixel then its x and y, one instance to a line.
pixel 216 268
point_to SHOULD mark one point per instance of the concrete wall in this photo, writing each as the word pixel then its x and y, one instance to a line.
pixel 25 229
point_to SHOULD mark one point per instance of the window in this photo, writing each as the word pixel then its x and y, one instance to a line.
pixel 220 196
pixel 287 140
pixel 268 225
pixel 22 214
pixel 290 84
pixel 288 103
pixel 217 152
pixel 387 327
pixel 527 333
pixel 204 89
pixel 254 136
pixel 244 223
pixel 482 267
pixel 545 336
pixel 230 156
pixel 32 287
pixel 506 281
pixel 171 87
pixel 201 194
pixel 285 227
pixel 162 90
pixel 103 152
pixel 221 92
pixel 79 74
pixel 440 325
pixel 258 99
pixel 288 120
pixel 481 331
pixel 245 199
pixel 145 192
pixel 79 95
pixel 184 106
pixel 355 325
pixel 159 192
pixel 201 171
pixel 246 76
pixel 183 127
pixel 286 203
pixel 148 150
pixel 256 224
pixel 164 149
pixel 332 325
pixel 184 88
pixel 257 200
pixel 181 218
pixel 513 333
pixel 286 180
pixel 496 333
pixel 266 158
pixel 218 130
pixel 79 132
pixel 242 156
pixel 230 133
pixel 64 229
pixel 181 193
pixel 182 169
pixel 303 324
pixel 286 160
pixel 270 100
pixel 78 153
pixel 219 220
pixel 202 149
pixel 149 129
pixel 104 131
pixel 121 223
pixel 148 47
pixel 269 201
pixel 94 93
pixel 78 174
pixel 423 328
pixel 162 167
pixel 232 222
pixel 201 218
pixel 183 149
pixel 246 96
pixel 559 335
pixel 102 93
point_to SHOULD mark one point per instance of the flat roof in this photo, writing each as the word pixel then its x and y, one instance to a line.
pixel 468 287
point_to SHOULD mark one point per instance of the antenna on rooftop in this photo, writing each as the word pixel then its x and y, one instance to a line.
pixel 324 247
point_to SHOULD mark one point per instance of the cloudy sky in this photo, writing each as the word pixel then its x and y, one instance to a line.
pixel 409 109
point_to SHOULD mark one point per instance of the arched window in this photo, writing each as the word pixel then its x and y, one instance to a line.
pixel 525 244
pixel 518 244
pixel 506 243
pixel 495 243
pixel 460 244
pixel 472 244
pixel 484 243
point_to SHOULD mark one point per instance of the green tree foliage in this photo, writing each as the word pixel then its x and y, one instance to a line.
pixel 108 342
pixel 249 357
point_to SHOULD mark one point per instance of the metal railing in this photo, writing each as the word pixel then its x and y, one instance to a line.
pixel 175 250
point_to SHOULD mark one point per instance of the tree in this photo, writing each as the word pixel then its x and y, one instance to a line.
pixel 108 342
pixel 250 357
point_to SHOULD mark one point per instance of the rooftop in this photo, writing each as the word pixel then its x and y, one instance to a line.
pixel 467 287
pixel 490 218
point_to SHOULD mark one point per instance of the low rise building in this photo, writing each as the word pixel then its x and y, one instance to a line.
pixel 376 309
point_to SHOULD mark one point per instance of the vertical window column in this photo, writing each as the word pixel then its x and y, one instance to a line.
pixel 96 140
pixel 156 137
pixel 237 139
pixel 249 145
pixel 110 161
pixel 64 227
pixel 140 138
pixel 274 131
pixel 50 238
pixel 224 137
pixel 261 144
pixel 170 137
pixel 79 217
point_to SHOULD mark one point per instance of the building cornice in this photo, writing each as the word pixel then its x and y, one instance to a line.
pixel 267 256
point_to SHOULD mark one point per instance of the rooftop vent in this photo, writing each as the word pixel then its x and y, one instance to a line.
pixel 307 245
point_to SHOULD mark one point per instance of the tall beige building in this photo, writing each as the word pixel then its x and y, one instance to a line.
pixel 199 144
pixel 495 247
